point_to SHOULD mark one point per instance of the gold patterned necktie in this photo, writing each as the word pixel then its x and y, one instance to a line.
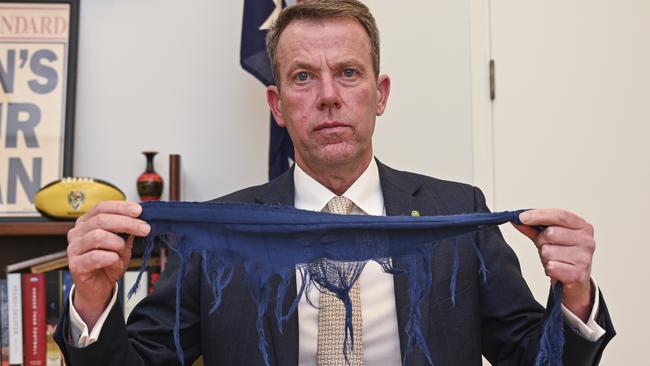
pixel 331 314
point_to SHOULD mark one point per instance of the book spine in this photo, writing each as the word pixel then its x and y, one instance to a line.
pixel 54 298
pixel 67 287
pixel 120 291
pixel 130 278
pixel 163 257
pixel 4 323
pixel 34 320
pixel 50 266
pixel 153 279
pixel 14 305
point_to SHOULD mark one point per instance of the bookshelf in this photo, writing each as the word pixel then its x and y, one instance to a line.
pixel 35 228
pixel 24 240
pixel 29 239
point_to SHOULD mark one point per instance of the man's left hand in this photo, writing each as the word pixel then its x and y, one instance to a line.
pixel 566 246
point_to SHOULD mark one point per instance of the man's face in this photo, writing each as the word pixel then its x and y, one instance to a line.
pixel 328 95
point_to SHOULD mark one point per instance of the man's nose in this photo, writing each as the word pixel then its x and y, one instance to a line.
pixel 328 96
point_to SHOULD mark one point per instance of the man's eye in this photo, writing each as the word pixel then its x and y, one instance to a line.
pixel 348 73
pixel 302 76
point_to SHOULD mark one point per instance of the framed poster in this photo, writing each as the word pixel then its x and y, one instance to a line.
pixel 38 58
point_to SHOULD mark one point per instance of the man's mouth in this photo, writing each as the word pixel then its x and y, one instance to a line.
pixel 330 125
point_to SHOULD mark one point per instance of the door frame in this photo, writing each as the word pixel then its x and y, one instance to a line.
pixel 482 106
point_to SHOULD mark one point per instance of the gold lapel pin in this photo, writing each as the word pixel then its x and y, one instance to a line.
pixel 415 213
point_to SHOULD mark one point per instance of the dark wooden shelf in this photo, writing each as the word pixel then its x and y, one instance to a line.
pixel 35 228
pixel 22 240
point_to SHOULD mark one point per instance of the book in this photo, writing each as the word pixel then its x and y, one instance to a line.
pixel 4 323
pixel 54 292
pixel 62 262
pixel 67 287
pixel 34 321
pixel 27 264
pixel 129 280
pixel 59 260
pixel 163 257
pixel 15 307
pixel 137 262
pixel 153 279
pixel 120 291
pixel 52 265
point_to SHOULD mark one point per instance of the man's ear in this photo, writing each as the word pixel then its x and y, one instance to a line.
pixel 273 98
pixel 383 91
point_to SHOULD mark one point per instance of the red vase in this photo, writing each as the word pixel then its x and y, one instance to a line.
pixel 150 183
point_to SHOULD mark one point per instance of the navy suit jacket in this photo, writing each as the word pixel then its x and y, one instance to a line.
pixel 499 319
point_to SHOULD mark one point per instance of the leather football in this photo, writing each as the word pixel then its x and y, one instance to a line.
pixel 69 198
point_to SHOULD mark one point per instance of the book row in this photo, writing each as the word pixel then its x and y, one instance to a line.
pixel 32 303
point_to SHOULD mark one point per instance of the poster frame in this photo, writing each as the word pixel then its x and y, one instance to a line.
pixel 69 98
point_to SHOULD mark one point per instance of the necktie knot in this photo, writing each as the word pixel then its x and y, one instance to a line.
pixel 340 205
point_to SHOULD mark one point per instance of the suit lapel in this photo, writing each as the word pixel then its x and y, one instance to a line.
pixel 401 197
pixel 279 191
pixel 284 345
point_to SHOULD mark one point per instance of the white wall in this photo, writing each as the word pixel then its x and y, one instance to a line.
pixel 571 129
pixel 164 75
pixel 426 51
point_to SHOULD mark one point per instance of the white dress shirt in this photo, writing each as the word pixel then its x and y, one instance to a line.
pixel 378 313
pixel 380 331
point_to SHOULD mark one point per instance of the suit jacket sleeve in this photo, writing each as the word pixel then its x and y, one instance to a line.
pixel 511 320
pixel 148 338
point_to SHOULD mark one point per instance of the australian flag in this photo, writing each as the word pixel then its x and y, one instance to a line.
pixel 258 17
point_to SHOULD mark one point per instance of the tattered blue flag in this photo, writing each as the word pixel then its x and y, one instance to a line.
pixel 329 251
pixel 259 15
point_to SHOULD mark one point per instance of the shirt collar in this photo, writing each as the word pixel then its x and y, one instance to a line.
pixel 365 192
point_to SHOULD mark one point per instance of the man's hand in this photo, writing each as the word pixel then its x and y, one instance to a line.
pixel 566 246
pixel 98 256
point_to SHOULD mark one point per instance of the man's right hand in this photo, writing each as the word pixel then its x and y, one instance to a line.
pixel 98 256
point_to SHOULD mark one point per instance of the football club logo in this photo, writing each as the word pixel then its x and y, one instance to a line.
pixel 75 199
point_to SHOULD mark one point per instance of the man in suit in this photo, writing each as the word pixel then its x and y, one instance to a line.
pixel 329 91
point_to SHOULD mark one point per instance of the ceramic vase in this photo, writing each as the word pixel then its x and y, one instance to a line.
pixel 150 183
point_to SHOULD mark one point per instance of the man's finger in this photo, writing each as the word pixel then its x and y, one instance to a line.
pixel 557 235
pixel 117 266
pixel 126 208
pixel 565 273
pixel 552 217
pixel 564 254
pixel 114 223
pixel 97 239
pixel 92 261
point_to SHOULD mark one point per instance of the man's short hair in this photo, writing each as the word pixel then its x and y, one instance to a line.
pixel 320 10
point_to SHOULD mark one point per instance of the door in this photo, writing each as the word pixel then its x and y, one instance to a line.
pixel 570 128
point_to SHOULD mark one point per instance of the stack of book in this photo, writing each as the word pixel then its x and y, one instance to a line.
pixel 32 298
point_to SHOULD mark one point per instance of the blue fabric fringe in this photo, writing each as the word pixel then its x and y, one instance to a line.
pixel 552 342
pixel 329 251
pixel 419 278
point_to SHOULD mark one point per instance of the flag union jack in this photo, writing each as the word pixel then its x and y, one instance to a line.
pixel 259 16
